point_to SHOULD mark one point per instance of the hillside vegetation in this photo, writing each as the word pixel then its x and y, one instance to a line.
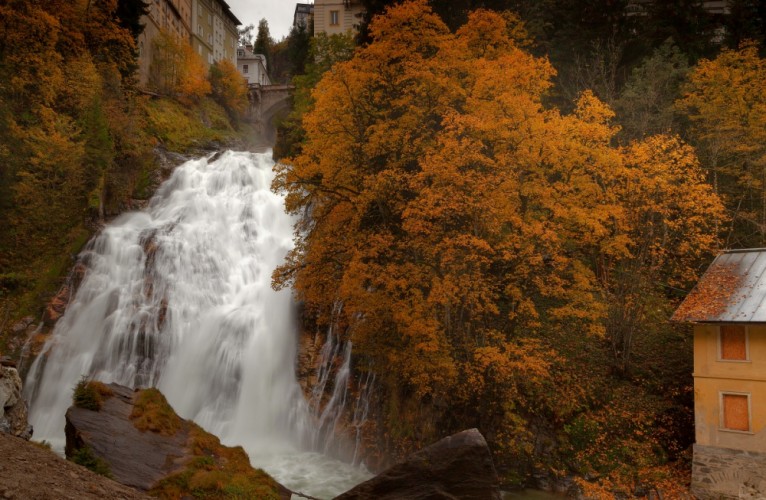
pixel 80 141
pixel 516 255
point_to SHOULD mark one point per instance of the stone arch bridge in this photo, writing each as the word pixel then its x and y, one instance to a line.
pixel 267 102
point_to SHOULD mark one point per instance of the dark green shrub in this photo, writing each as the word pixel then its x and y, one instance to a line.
pixel 85 457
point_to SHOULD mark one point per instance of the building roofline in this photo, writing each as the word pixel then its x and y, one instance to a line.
pixel 743 250
pixel 228 12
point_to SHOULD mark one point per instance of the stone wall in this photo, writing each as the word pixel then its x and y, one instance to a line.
pixel 725 473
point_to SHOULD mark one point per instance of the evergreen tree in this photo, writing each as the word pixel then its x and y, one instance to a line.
pixel 298 45
pixel 264 43
pixel 129 13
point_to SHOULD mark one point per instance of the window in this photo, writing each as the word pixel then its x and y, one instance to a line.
pixel 733 343
pixel 735 412
pixel 200 31
pixel 334 17
pixel 240 53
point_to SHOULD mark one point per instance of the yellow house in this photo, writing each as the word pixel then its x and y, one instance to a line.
pixel 728 310
pixel 337 16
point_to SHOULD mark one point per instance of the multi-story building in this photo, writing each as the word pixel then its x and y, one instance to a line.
pixel 169 16
pixel 728 310
pixel 215 33
pixel 303 13
pixel 208 25
pixel 337 16
pixel 252 66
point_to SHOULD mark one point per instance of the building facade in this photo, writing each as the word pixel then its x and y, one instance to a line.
pixel 215 35
pixel 208 26
pixel 252 66
pixel 168 16
pixel 728 310
pixel 337 16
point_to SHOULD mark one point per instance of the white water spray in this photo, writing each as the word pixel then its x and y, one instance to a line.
pixel 179 297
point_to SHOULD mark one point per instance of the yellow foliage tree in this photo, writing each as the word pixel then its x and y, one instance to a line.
pixel 456 228
pixel 229 87
pixel 193 83
pixel 725 100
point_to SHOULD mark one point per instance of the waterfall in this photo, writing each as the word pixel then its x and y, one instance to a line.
pixel 178 297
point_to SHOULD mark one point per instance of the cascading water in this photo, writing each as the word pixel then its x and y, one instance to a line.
pixel 178 297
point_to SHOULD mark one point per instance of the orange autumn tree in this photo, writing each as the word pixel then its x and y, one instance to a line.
pixel 455 228
pixel 229 88
pixel 725 102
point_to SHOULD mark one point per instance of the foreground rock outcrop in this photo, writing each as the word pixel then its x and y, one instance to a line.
pixel 13 408
pixel 136 438
pixel 457 467
pixel 31 472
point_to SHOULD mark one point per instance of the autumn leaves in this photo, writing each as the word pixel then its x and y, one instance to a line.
pixel 466 226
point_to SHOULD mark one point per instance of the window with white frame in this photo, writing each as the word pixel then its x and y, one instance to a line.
pixel 334 18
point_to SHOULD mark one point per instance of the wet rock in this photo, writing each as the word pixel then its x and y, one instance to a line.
pixel 457 467
pixel 13 409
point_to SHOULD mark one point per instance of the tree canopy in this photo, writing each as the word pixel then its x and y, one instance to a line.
pixel 456 227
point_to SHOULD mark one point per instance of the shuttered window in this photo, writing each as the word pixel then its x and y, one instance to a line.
pixel 733 343
pixel 736 412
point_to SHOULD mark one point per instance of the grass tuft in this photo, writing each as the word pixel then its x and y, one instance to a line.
pixel 151 412
pixel 91 394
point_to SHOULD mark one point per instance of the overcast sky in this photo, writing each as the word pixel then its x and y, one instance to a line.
pixel 279 14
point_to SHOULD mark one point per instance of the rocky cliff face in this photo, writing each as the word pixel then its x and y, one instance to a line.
pixel 13 409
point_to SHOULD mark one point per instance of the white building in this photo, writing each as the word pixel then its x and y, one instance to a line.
pixel 252 66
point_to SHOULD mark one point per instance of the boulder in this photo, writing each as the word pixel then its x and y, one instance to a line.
pixel 13 408
pixel 136 459
pixel 457 467
pixel 136 438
